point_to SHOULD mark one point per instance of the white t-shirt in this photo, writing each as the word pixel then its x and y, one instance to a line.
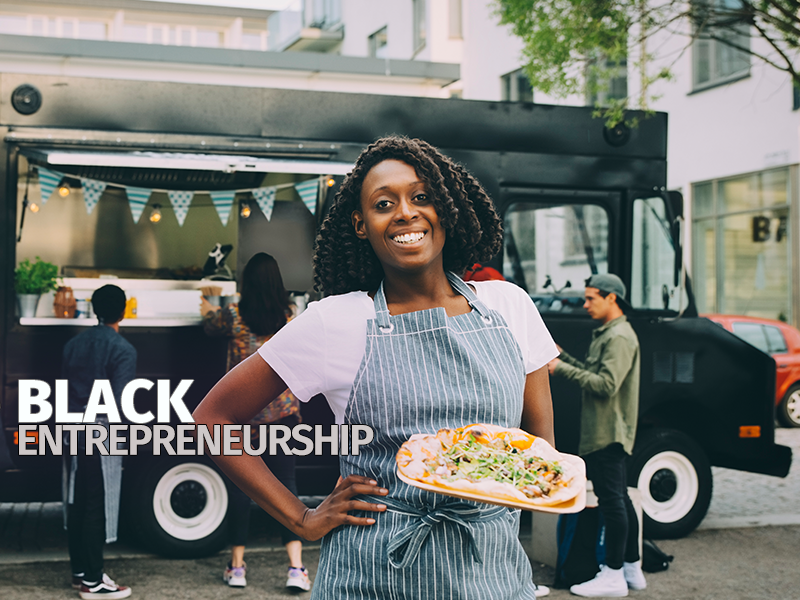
pixel 320 351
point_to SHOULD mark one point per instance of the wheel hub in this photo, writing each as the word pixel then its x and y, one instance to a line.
pixel 188 499
pixel 663 485
pixel 793 407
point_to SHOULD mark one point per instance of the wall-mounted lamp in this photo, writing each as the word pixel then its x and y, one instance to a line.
pixel 155 214
pixel 245 210
pixel 64 189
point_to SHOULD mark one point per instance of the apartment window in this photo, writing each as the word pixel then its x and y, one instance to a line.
pixel 92 30
pixel 13 25
pixel 720 51
pixel 208 38
pixel 254 40
pixel 134 33
pixel 420 29
pixel 456 30
pixel 516 87
pixel 741 246
pixel 378 43
pixel 613 86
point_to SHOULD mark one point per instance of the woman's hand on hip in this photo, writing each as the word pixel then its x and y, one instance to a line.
pixel 335 508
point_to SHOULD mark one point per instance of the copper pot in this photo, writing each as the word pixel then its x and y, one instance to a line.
pixel 64 303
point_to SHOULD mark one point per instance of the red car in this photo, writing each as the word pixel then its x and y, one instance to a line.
pixel 782 342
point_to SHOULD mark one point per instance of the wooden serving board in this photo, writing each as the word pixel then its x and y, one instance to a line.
pixel 576 504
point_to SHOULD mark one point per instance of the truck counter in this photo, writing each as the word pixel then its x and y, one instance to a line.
pixel 151 302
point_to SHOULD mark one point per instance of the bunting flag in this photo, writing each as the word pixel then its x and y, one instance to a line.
pixel 308 191
pixel 48 182
pixel 223 201
pixel 92 190
pixel 180 203
pixel 265 198
pixel 137 199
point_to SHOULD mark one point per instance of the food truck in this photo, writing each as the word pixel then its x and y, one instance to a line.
pixel 138 183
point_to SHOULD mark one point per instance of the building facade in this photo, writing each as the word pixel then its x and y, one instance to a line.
pixel 734 123
pixel 734 138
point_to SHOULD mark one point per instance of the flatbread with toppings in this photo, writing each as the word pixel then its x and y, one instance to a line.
pixel 493 462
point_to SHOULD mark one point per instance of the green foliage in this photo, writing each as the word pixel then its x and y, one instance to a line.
pixel 35 278
pixel 576 47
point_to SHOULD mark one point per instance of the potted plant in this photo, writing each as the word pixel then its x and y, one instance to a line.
pixel 31 280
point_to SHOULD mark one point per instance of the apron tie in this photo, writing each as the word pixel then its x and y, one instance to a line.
pixel 405 546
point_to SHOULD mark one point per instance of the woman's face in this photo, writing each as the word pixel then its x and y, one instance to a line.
pixel 398 218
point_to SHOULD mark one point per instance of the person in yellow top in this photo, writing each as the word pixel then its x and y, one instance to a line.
pixel 263 309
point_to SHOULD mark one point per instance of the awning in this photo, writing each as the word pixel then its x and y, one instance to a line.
pixel 189 162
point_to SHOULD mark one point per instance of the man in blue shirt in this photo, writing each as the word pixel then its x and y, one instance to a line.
pixel 92 483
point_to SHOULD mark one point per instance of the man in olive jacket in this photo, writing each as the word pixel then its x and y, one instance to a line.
pixel 609 379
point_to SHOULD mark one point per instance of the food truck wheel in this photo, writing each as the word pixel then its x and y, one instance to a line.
pixel 180 507
pixel 673 475
pixel 789 408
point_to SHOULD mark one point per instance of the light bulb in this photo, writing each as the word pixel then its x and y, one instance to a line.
pixel 64 190
pixel 34 207
pixel 330 181
pixel 245 211
pixel 155 215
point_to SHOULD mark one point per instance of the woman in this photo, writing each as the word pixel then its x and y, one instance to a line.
pixel 263 309
pixel 405 346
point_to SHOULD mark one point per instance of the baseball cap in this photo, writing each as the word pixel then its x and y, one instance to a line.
pixel 608 282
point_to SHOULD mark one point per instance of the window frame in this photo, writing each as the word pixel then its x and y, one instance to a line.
pixel 711 43
pixel 374 38
pixel 419 24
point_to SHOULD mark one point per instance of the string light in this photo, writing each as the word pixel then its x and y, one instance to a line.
pixel 245 211
pixel 155 215
pixel 34 207
pixel 330 181
pixel 64 190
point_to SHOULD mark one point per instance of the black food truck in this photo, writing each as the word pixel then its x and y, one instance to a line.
pixel 576 199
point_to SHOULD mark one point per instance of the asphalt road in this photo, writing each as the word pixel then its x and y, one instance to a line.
pixel 746 549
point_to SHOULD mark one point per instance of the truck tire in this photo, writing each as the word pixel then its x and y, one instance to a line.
pixel 789 408
pixel 179 508
pixel 674 478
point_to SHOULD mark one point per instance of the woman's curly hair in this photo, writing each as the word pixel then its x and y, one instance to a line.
pixel 473 231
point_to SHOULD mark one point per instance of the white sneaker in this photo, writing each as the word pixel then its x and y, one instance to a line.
pixel 608 583
pixel 541 590
pixel 235 576
pixel 297 579
pixel 634 576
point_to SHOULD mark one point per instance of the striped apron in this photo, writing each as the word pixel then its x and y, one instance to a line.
pixel 421 372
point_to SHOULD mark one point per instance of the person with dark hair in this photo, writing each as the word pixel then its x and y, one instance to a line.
pixel 262 311
pixel 92 484
pixel 609 379
pixel 404 346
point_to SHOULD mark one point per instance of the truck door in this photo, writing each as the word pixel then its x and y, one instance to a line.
pixel 554 241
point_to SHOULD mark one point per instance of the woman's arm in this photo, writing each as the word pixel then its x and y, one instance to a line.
pixel 537 409
pixel 242 393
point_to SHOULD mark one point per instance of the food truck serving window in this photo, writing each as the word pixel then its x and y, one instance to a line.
pixel 157 215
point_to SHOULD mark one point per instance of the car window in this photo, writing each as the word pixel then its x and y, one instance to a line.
pixel 777 343
pixel 753 334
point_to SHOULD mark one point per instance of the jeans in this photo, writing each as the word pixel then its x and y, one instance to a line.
pixel 606 469
pixel 86 520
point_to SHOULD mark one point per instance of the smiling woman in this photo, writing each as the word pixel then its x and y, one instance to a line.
pixel 404 346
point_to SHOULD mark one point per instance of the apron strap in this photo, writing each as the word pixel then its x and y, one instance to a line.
pixel 405 545
pixel 382 311
pixel 382 308
pixel 462 288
